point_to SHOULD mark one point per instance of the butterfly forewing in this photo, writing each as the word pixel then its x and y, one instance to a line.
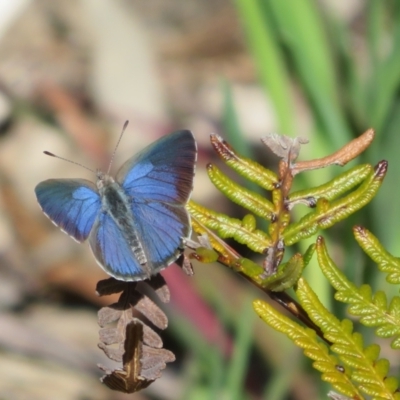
pixel 72 204
pixel 163 171
pixel 159 181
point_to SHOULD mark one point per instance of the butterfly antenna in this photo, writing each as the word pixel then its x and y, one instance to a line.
pixel 116 147
pixel 66 159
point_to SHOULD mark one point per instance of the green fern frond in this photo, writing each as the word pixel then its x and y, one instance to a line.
pixel 227 227
pixel 329 213
pixel 249 169
pixel 330 207
pixel 359 369
pixel 363 366
pixel 285 277
pixel 362 181
pixel 373 309
pixel 306 338
pixel 386 262
pixel 337 186
pixel 246 198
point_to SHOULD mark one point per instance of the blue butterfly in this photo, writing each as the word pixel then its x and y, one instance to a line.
pixel 137 222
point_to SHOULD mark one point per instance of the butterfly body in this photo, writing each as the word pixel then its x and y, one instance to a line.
pixel 136 223
pixel 115 202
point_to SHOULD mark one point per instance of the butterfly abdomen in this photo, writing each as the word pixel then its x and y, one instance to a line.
pixel 116 203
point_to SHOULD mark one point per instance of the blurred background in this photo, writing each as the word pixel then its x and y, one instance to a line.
pixel 71 73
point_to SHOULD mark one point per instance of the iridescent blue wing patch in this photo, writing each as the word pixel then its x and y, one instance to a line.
pixel 161 228
pixel 163 171
pixel 112 251
pixel 72 204
pixel 159 181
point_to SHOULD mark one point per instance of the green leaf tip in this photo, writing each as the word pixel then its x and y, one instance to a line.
pixel 373 309
pixel 245 167
pixel 252 201
pixel 386 262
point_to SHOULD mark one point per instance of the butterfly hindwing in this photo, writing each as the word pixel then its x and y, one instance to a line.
pixel 162 171
pixel 112 250
pixel 161 228
pixel 72 204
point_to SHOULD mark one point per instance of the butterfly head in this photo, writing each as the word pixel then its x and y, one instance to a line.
pixel 103 179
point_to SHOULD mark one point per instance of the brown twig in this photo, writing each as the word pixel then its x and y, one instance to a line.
pixel 341 157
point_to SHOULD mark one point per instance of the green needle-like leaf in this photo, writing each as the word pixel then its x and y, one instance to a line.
pixel 300 23
pixel 270 62
pixel 372 310
pixel 327 214
pixel 249 169
pixel 306 338
pixel 337 186
pixel 227 227
pixel 366 369
pixel 252 201
pixel 386 262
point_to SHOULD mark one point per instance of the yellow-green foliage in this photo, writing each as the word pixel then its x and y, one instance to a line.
pixel 337 351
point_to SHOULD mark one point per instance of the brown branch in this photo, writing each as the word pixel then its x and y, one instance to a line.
pixel 341 157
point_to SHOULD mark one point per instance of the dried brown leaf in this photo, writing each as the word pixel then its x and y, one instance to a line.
pixel 184 262
pixel 129 340
pixel 341 157
pixel 284 146
pixel 158 284
pixel 154 360
pixel 111 286
pixel 112 353
pixel 110 336
pixel 151 311
pixel 129 379
pixel 151 338
pixel 106 315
